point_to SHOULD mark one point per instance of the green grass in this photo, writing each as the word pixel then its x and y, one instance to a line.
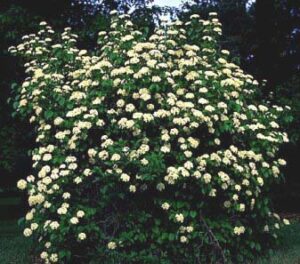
pixel 14 248
pixel 289 251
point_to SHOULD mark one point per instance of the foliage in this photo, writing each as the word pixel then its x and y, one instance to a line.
pixel 151 149
pixel 16 249
pixel 17 18
pixel 265 37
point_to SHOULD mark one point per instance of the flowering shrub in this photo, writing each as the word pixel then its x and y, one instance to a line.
pixel 152 150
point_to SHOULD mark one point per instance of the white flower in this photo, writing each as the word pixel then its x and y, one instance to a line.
pixel 129 108
pixel 125 177
pixel 132 188
pixel 242 207
pixel 160 186
pixel 194 16
pixel 189 229
pixel 62 210
pixel 103 155
pixel 183 239
pixel 222 61
pixel 87 172
pixel 47 157
pixel 77 180
pixel 74 220
pixel 80 214
pixel 156 79
pixel 235 197
pixel 44 255
pixel 27 232
pixel 48 244
pixel 29 216
pixel 34 226
pixel 179 218
pixel 115 157
pixel 127 38
pixel 282 162
pixel 81 236
pixel 165 206
pixel 237 187
pixel 92 153
pixel 54 257
pixel 260 181
pixel 238 230
pixel 120 103
pixel 22 184
pixel 165 149
pixel 66 195
pixel 213 193
pixel 144 161
pixel 82 52
pixel 207 178
pixel 266 228
pixel 111 245
pixel 286 221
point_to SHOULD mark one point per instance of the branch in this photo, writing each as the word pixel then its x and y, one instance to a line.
pixel 214 240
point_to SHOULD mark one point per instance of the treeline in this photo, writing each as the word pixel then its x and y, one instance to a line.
pixel 263 36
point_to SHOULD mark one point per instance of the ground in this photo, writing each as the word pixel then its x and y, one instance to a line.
pixel 15 249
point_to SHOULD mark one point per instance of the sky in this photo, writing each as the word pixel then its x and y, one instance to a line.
pixel 167 2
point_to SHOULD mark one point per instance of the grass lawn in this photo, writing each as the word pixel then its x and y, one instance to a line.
pixel 14 248
pixel 289 252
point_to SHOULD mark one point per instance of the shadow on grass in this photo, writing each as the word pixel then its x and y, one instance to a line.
pixel 289 250
pixel 14 247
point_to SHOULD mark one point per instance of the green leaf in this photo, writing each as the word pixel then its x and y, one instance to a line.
pixel 193 214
